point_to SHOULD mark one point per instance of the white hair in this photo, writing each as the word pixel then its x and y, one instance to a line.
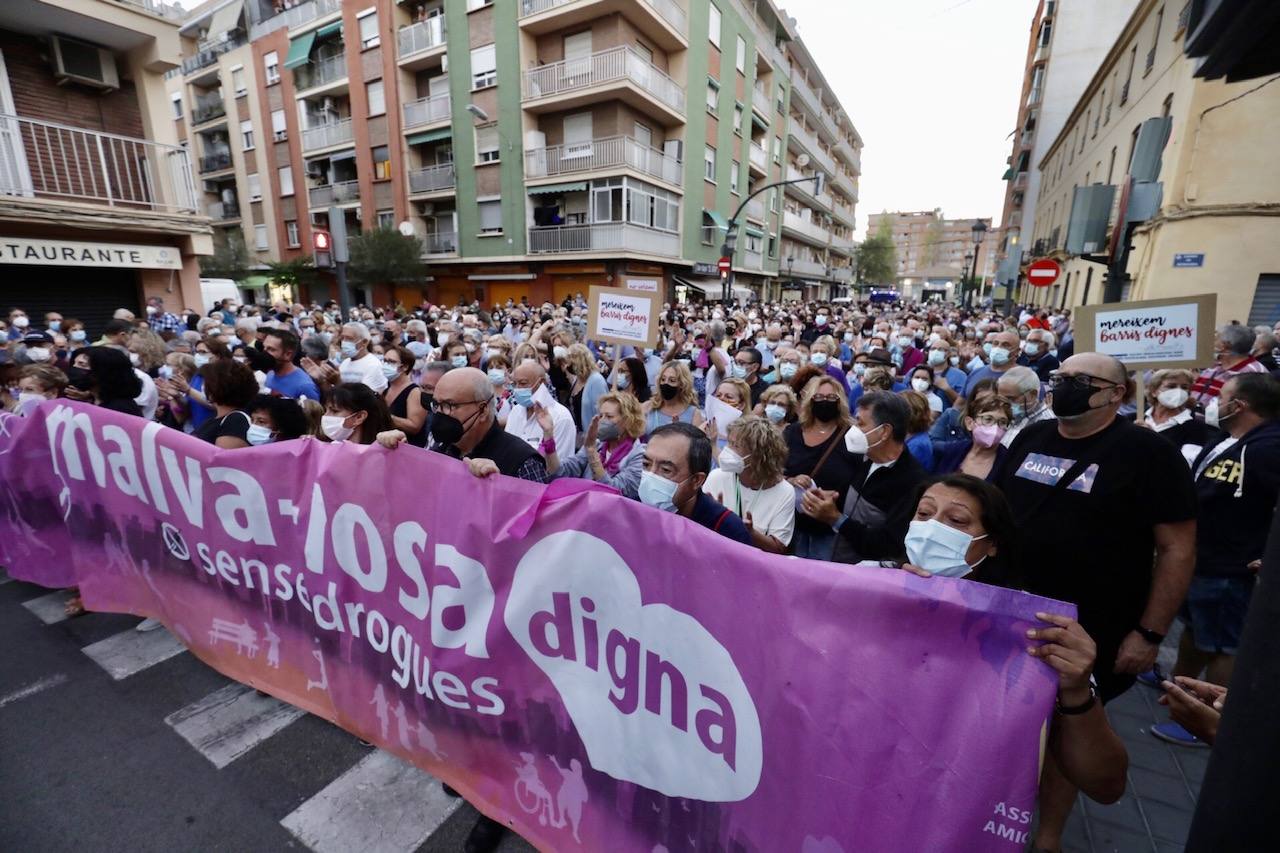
pixel 360 330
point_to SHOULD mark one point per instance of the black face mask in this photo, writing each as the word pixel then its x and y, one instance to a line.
pixel 79 378
pixel 668 392
pixel 1071 400
pixel 826 410
pixel 448 430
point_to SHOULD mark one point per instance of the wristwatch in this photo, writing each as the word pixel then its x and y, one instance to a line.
pixel 1082 708
pixel 1152 637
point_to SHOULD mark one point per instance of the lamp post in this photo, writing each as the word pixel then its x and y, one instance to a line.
pixel 968 263
pixel 979 232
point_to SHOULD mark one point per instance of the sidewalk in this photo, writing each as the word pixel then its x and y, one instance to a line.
pixel 1154 815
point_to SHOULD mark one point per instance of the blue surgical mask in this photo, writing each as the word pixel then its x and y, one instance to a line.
pixel 349 349
pixel 939 549
pixel 78 335
pixel 775 413
pixel 55 325
pixel 201 359
pixel 738 371
pixel 623 380
pixel 1019 411
pixel 974 364
pixel 955 360
pixel 818 358
pixel 658 491
pixel 391 371
pixel 1031 348
pixel 787 369
pixel 999 355
pixel 458 361
pixel 523 397
pixel 258 434
pixel 497 375
pixel 936 357
pixel 987 348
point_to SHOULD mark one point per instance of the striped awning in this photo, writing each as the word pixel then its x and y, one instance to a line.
pixel 430 136
pixel 552 189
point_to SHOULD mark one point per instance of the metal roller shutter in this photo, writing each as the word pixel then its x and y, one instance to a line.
pixel 1265 310
pixel 91 295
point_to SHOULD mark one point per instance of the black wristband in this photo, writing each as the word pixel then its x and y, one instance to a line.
pixel 1073 710
pixel 1152 637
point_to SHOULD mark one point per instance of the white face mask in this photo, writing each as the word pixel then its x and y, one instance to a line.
pixel 940 549
pixel 1173 398
pixel 334 426
pixel 37 355
pixel 1213 416
pixel 920 384
pixel 855 441
pixel 258 434
pixel 731 462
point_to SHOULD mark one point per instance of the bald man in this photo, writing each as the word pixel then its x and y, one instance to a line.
pixel 1094 498
pixel 527 378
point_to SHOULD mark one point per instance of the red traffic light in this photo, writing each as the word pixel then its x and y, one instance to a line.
pixel 321 241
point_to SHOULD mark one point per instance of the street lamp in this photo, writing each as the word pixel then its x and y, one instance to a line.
pixel 979 232
pixel 731 233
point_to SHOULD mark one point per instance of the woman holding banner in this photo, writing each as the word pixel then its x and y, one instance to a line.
pixel 355 413
pixel 749 481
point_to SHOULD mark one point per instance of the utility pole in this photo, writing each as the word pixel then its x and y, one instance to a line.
pixel 341 255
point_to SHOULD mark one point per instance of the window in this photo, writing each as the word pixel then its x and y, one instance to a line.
pixel 484 68
pixel 271 63
pixel 279 132
pixel 237 81
pixel 713 24
pixel 260 237
pixel 377 97
pixel 577 135
pixel 368 21
pixel 777 149
pixel 472 5
pixel 737 119
pixel 709 164
pixel 382 163
pixel 1167 107
pixel 1088 117
pixel 1155 40
pixel 713 96
pixel 782 99
pixel 733 177
pixel 246 135
pixel 773 201
pixel 255 187
pixel 176 97
pixel 285 176
pixel 742 55
pixel 487 144
pixel 386 219
pixel 490 216
pixel 1046 33
pixel 1111 168
pixel 291 234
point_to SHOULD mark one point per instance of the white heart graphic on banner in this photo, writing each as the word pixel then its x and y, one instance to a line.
pixel 656 699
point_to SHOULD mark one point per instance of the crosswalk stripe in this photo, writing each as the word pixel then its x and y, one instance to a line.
pixel 49 608
pixel 381 805
pixel 229 722
pixel 129 652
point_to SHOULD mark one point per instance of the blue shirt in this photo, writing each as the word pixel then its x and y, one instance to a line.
pixel 295 384
pixel 984 372
pixel 956 378
pixel 712 515
pixel 921 448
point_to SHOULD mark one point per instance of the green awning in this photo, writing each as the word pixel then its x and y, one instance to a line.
pixel 256 282
pixel 300 50
pixel 754 232
pixel 716 217
pixel 430 136
pixel 760 122
pixel 1008 174
pixel 329 29
pixel 551 189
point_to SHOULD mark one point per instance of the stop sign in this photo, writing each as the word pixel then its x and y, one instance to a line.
pixel 1043 272
pixel 725 264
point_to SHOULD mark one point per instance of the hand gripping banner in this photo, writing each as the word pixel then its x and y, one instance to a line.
pixel 592 672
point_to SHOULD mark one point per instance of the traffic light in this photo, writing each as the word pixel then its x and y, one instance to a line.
pixel 322 245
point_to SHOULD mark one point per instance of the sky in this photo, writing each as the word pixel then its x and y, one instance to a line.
pixel 932 87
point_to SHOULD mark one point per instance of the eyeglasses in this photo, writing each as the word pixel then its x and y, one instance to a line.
pixel 826 398
pixel 1080 380
pixel 991 420
pixel 446 407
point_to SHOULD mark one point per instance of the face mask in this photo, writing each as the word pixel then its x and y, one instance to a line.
pixel 258 434
pixel 955 360
pixel 1072 401
pixel 458 361
pixel 442 338
pixel 771 344
pixel 497 376
pixel 848 336
pixel 987 348
pixel 389 370
pixel 134 359
pixel 936 357
pixel 855 441
pixel 658 492
pixel 21 322
pixel 999 355
pixel 820 320
pixel 738 371
pixel 201 359
pixel 939 549
pixel 55 325
pixel 974 363
pixel 28 400
pixel 349 349
pixel 987 435
pixel 523 397
pixel 560 352
pixel 668 392
pixel 775 413
pixel 826 411
pixel 920 384
pixel 818 358
pixel 787 369
pixel 1173 398
pixel 334 427
pixel 905 341
pixel 623 380
pixel 859 369
pixel 1019 411
pixel 731 462
pixel 608 431
pixel 79 378
pixel 78 335
pixel 1213 414
pixel 308 331
pixel 40 354
pixel 1031 348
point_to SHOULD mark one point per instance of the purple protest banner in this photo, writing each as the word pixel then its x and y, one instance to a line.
pixel 592 672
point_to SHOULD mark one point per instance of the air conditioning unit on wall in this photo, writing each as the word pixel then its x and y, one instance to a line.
pixel 87 64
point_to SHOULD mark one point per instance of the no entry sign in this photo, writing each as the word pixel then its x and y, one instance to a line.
pixel 724 264
pixel 1043 272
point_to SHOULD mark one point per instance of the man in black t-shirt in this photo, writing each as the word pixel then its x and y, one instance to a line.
pixel 1106 520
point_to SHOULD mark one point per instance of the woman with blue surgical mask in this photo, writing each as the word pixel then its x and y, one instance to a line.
pixel 403 396
pixel 274 419
pixel 499 373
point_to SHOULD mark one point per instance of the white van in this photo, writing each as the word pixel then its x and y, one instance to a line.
pixel 214 290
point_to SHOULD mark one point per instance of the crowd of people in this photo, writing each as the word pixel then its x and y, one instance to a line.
pixel 931 438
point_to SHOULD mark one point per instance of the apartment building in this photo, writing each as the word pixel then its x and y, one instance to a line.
pixel 535 147
pixel 97 199
pixel 1211 226
pixel 1067 40
pixel 934 254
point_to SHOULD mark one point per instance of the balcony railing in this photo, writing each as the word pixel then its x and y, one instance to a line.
pixel 307 12
pixel 798 85
pixel 760 100
pixel 221 210
pixel 215 162
pixel 171 11
pixel 337 193
pixel 810 143
pixel 422 36
pixel 207 109
pixel 325 135
pixel 208 54
pixel 759 157
pixel 753 260
pixel 439 243
pixel 670 11
pixel 603 237
pixel 46 160
pixel 619 64
pixel 433 179
pixel 797 266
pixel 806 188
pixel 1020 181
pixel 320 72
pixel 428 110
pixel 612 152
pixel 810 229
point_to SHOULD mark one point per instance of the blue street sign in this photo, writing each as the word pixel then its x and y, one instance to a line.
pixel 1188 260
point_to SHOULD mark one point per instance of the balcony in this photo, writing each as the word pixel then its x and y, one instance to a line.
pixel 221 211
pixel 439 243
pixel 343 192
pixel 663 21
pixel 320 73
pixel 807 141
pixel 798 266
pixel 208 108
pixel 217 161
pixel 426 111
pixel 758 159
pixel 755 209
pixel 300 16
pixel 1020 181
pixel 760 102
pixel 421 39
pixel 1033 97
pixel 843 182
pixel 850 155
pixel 843 245
pixel 54 161
pixel 805 190
pixel 327 135
pixel 808 98
pixel 432 179
pixel 1041 54
pixel 171 11
pixel 620 72
pixel 603 237
pixel 208 53
pixel 753 260
pixel 807 229
pixel 607 153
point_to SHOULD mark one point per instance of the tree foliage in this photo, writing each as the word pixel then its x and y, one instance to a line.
pixel 230 258
pixel 384 256
pixel 297 272
pixel 878 257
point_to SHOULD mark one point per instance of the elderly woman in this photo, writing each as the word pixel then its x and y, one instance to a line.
pixel 979 455
pixel 676 399
pixel 1170 412
pixel 611 452
pixel 750 482
pixel 825 353
pixel 734 393
pixel 778 404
